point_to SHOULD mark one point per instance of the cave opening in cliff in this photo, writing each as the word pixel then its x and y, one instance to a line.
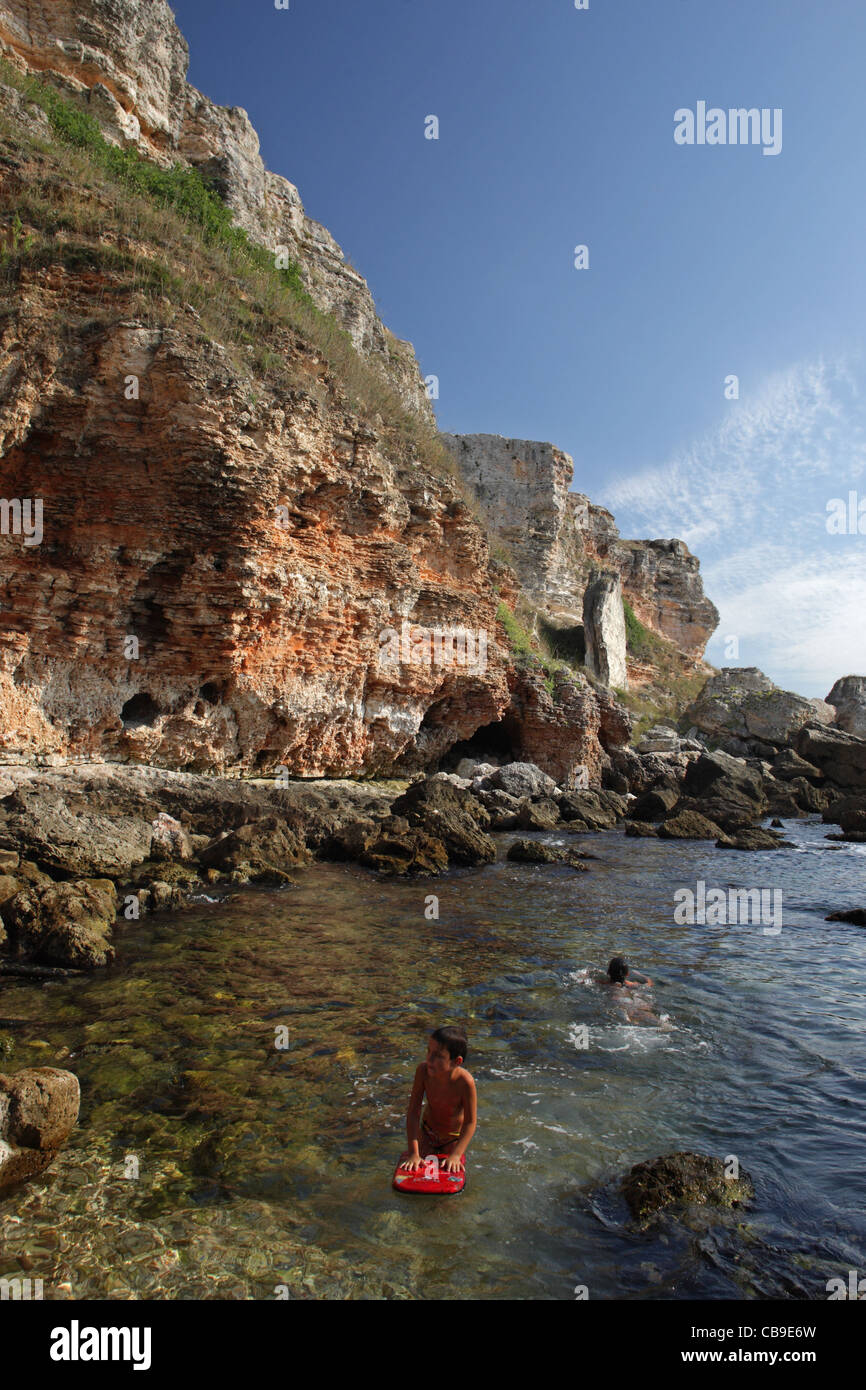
pixel 566 642
pixel 140 712
pixel 498 742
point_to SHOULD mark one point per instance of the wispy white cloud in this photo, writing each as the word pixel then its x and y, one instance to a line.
pixel 750 500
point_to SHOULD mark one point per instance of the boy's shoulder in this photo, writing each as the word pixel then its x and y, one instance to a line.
pixel 464 1077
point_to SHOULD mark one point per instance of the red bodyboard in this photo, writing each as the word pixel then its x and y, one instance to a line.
pixel 430 1180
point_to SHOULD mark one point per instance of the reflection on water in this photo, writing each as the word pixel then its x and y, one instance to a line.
pixel 260 1167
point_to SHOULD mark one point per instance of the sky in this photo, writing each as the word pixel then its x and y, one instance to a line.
pixel 706 261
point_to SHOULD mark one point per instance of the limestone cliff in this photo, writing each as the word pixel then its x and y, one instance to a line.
pixel 129 60
pixel 223 547
pixel 253 551
pixel 555 538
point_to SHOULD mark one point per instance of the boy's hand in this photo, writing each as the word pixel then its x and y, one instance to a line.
pixel 412 1163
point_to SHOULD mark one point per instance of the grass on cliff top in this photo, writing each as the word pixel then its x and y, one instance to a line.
pixel 168 236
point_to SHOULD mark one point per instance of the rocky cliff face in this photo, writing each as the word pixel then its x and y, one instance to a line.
pixel 217 576
pixel 234 568
pixel 556 537
pixel 130 61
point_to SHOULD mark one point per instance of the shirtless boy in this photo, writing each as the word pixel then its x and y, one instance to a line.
pixel 449 1120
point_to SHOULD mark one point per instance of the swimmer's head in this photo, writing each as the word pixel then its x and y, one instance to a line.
pixel 617 970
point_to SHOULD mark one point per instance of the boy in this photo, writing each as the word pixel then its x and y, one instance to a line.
pixel 618 972
pixel 449 1120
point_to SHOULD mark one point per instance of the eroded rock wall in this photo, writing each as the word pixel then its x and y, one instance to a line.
pixel 216 571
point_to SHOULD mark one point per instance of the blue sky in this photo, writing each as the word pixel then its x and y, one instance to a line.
pixel 556 129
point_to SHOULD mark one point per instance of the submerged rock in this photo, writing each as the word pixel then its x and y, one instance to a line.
pixel 533 852
pixel 683 1179
pixel 754 838
pixel 38 1111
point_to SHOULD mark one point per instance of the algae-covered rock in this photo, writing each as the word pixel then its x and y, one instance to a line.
pixel 66 924
pixel 683 1179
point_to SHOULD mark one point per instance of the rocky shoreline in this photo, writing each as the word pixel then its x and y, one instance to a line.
pixel 86 844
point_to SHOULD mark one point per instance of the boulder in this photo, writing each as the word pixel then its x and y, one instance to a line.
pixel 70 840
pixel 655 804
pixel 855 915
pixel 537 815
pixel 66 924
pixel 472 769
pixel 170 840
pixel 683 1179
pixel 689 825
pixel 659 739
pixel 532 852
pixel 840 756
pixel 450 814
pixel 642 829
pixel 740 702
pixel 753 838
pixel 502 808
pixel 522 780
pixel 38 1111
pixel 642 771
pixel 267 848
pixel 591 807
pixel 725 789
pixel 844 807
pixel 399 849
pixel 848 698
pixel 787 765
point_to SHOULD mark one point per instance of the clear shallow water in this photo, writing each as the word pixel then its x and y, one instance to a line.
pixel 259 1167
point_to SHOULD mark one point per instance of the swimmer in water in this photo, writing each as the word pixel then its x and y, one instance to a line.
pixel 620 978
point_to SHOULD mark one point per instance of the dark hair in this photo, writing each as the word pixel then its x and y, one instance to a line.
pixel 617 970
pixel 454 1039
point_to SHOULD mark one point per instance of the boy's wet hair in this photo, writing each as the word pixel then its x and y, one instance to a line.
pixel 617 970
pixel 454 1039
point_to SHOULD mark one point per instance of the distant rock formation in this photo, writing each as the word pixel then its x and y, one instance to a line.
pixel 130 60
pixel 743 712
pixel 848 697
pixel 604 629
pixel 555 538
